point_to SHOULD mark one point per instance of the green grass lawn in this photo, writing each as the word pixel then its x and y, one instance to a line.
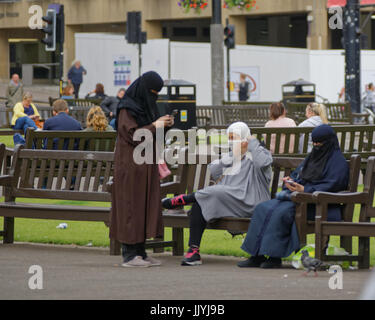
pixel 7 140
pixel 215 242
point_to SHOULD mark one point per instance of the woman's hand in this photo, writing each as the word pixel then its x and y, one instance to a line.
pixel 164 121
pixel 252 137
pixel 295 186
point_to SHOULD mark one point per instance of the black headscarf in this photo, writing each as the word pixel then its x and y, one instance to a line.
pixel 140 101
pixel 316 161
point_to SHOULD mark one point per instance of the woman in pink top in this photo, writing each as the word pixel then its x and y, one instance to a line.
pixel 279 120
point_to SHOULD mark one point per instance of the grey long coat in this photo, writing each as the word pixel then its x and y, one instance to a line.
pixel 237 195
pixel 14 94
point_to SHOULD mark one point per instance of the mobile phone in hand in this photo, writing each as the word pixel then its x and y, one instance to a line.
pixel 291 182
pixel 174 113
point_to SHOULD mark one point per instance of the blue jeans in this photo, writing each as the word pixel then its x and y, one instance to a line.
pixel 18 139
pixel 112 123
pixel 24 123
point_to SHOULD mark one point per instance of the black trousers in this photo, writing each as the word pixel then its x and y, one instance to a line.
pixel 197 225
pixel 76 89
pixel 130 251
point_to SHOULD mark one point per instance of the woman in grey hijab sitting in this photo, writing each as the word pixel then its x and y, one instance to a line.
pixel 242 181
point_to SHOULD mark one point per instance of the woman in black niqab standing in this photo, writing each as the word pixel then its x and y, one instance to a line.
pixel 136 208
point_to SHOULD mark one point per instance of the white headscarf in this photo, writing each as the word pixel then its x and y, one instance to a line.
pixel 240 129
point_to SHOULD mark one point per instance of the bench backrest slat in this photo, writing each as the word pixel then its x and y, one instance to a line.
pixel 60 174
pixel 42 173
pixel 336 112
pixel 355 168
pixel 367 212
pixel 69 176
pixel 71 140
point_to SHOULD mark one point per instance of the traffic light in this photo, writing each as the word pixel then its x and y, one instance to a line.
pixel 229 40
pixel 60 25
pixel 134 32
pixel 50 30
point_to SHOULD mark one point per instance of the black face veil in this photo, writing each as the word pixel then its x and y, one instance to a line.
pixel 140 101
pixel 316 161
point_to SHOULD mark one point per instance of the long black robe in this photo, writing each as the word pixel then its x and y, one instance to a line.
pixel 273 230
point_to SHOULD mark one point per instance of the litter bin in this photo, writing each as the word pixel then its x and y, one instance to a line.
pixel 179 95
pixel 298 91
pixel 27 74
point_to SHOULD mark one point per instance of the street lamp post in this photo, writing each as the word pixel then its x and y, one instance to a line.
pixel 217 54
pixel 352 48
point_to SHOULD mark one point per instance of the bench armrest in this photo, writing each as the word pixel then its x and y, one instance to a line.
pixel 342 197
pixel 109 186
pixel 5 180
pixel 299 197
pixel 169 188
pixel 361 115
pixel 165 188
pixel 302 199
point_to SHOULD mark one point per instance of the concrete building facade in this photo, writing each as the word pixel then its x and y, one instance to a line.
pixel 290 23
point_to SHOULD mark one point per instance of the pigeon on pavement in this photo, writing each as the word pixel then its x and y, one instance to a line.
pixel 310 264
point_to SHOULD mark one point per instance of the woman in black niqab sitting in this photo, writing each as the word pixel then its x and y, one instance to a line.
pixel 272 231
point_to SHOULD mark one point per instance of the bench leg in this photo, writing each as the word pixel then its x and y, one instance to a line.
pixel 346 243
pixel 318 239
pixel 178 238
pixel 161 249
pixel 114 247
pixel 364 253
pixel 8 230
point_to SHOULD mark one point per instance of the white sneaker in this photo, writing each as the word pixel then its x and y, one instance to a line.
pixel 137 262
pixel 153 262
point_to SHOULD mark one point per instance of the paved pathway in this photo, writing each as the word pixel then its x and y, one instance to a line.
pixel 90 273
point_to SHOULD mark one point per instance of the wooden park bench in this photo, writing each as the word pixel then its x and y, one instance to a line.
pixel 192 177
pixel 83 176
pixel 248 103
pixel 58 175
pixel 41 174
pixel 363 228
pixel 219 117
pixel 79 108
pixel 338 113
pixel 353 139
pixel 71 140
pixel 66 140
pixel 6 115
pixel 78 102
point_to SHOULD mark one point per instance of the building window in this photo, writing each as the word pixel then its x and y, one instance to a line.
pixel 184 32
pixel 367 36
pixel 285 31
pixel 193 30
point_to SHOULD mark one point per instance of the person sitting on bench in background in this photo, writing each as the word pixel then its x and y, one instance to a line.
pixel 68 95
pixel 316 115
pixel 24 116
pixel 109 106
pixel 242 178
pixel 61 121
